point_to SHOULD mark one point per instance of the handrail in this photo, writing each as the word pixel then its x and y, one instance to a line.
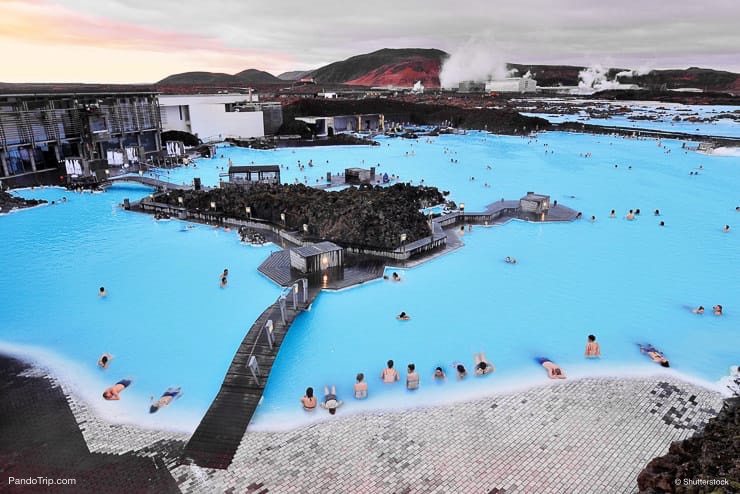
pixel 283 295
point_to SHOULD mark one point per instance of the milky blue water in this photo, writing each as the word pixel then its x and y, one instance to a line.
pixel 662 117
pixel 168 323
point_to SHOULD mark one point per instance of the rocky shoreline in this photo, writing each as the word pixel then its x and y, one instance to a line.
pixel 10 202
pixel 708 462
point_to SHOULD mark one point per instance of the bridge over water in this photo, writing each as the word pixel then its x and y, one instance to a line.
pixel 149 181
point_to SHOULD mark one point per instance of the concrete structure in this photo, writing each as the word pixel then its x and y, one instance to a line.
pixel 356 176
pixel 76 135
pixel 316 258
pixel 512 85
pixel 250 175
pixel 213 117
pixel 324 126
pixel 471 87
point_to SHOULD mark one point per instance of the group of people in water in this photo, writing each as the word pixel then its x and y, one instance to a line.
pixel 717 310
pixel 390 375
pixel 481 366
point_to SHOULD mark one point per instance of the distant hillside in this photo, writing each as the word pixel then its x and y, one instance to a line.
pixel 294 75
pixel 706 79
pixel 695 77
pixel 384 67
pixel 258 76
pixel 197 78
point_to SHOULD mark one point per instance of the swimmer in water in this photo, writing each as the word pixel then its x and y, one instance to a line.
pixel 104 360
pixel 553 370
pixel 102 292
pixel 403 316
pixel 167 397
pixel 224 281
pixel 699 310
pixel 439 374
pixel 717 310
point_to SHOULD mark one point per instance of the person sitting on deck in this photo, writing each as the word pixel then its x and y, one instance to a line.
pixel 309 400
pixel 403 316
pixel 360 387
pixel 654 354
pixel 389 374
pixel 553 370
pixel 717 310
pixel 699 310
pixel 113 392
pixel 104 360
pixel 330 400
pixel 439 374
pixel 167 397
pixel 412 377
pixel 461 371
pixel 482 365
pixel 593 350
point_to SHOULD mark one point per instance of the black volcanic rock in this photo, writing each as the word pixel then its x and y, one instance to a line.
pixel 368 216
pixel 502 121
pixel 9 202
pixel 712 455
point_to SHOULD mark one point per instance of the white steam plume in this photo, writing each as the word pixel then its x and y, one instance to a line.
pixel 476 60
pixel 595 78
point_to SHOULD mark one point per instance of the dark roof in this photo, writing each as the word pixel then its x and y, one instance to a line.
pixel 254 168
pixel 315 249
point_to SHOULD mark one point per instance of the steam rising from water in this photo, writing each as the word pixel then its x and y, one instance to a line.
pixel 596 78
pixel 476 60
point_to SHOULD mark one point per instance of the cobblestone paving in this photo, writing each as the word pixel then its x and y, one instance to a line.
pixel 585 436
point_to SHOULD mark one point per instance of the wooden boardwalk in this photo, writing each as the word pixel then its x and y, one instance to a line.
pixel 215 441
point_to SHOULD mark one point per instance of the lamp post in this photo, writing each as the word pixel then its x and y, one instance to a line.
pixel 462 210
pixel 248 211
pixel 403 242
pixel 180 200
pixel 282 218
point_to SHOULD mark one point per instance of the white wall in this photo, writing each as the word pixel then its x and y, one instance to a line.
pixel 171 118
pixel 211 121
pixel 208 116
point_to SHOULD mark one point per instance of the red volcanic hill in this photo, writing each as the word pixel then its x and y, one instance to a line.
pixel 403 74
pixel 398 67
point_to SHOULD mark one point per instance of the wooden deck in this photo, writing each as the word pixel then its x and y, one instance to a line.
pixel 215 441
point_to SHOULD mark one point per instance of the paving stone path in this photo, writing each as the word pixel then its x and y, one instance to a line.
pixel 585 436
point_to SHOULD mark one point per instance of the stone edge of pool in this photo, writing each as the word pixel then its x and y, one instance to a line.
pixel 588 435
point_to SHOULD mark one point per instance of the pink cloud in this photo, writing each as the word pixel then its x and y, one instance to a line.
pixel 43 23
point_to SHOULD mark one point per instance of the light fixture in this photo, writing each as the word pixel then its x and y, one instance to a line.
pixel 213 205
pixel 180 199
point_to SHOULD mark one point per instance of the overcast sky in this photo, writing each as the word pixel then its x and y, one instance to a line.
pixel 146 40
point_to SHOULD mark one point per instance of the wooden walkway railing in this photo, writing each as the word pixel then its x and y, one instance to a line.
pixel 215 441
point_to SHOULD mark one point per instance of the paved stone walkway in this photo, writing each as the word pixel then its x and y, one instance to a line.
pixel 592 435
